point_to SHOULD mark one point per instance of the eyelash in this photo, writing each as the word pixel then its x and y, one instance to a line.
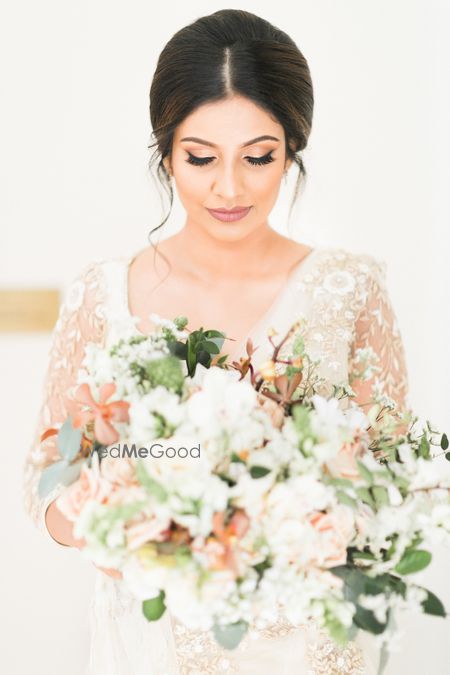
pixel 255 161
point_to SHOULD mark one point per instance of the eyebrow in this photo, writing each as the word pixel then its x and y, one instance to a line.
pixel 265 137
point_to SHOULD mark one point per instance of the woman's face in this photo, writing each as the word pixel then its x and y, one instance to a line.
pixel 225 167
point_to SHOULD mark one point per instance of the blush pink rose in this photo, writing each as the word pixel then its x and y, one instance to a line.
pixel 89 486
pixel 119 470
pixel 336 529
pixel 344 465
pixel 152 529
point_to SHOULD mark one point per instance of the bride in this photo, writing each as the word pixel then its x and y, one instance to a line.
pixel 231 106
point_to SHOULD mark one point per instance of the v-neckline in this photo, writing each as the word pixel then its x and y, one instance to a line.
pixel 239 347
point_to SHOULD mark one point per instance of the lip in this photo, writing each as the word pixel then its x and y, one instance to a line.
pixel 228 215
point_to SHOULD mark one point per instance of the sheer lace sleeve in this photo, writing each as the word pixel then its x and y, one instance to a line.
pixel 81 320
pixel 377 330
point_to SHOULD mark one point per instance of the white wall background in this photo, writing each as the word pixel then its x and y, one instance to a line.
pixel 73 168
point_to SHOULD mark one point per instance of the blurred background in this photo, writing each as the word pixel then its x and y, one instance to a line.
pixel 75 185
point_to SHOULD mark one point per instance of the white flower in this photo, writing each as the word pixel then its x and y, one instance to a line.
pixel 221 397
pixel 144 581
pixel 340 282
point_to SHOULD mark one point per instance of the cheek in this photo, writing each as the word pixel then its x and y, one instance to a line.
pixel 265 184
pixel 191 184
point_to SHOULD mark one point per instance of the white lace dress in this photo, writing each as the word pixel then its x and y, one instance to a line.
pixel 343 297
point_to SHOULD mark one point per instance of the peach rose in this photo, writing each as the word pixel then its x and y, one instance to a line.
pixel 89 486
pixel 344 465
pixel 119 470
pixel 337 530
pixel 151 529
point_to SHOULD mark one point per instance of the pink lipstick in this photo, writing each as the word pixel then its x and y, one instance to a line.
pixel 230 215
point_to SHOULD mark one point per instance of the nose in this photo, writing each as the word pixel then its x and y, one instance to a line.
pixel 227 182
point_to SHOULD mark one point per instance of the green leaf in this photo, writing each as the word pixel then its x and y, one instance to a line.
pixel 154 608
pixel 204 358
pixel 69 440
pixel 178 349
pixel 214 334
pixel 424 448
pixel 362 555
pixel 365 496
pixel 344 498
pixel 209 346
pixel 338 482
pixel 235 458
pixel 337 630
pixel 364 472
pixel 413 560
pixel 380 494
pixel 365 619
pixel 230 636
pixel 444 442
pixel 258 471
pixel 432 605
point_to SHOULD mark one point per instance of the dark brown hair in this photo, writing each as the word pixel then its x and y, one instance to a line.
pixel 230 52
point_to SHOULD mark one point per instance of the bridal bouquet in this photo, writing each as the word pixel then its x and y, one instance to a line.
pixel 236 502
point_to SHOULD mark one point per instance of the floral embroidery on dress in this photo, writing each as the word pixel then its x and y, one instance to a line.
pixel 81 319
pixel 199 654
pixel 350 311
pixel 328 658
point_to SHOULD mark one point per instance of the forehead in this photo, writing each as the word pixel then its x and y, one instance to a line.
pixel 228 122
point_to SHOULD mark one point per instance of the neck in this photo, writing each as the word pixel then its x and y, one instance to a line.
pixel 210 259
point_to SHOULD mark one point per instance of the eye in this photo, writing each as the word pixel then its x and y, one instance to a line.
pixel 198 161
pixel 255 161
pixel 258 161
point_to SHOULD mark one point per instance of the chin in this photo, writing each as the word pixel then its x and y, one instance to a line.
pixel 229 231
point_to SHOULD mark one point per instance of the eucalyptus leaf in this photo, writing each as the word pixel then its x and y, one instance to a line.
pixel 51 476
pixel 230 636
pixel 60 472
pixel 69 440
pixel 72 473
